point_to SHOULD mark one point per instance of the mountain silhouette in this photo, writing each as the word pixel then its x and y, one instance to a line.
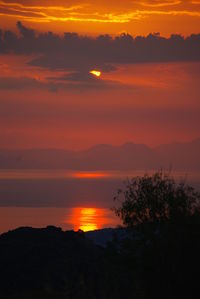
pixel 129 156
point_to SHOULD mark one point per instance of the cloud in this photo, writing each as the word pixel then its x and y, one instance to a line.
pixel 72 61
pixel 94 11
pixel 76 55
pixel 13 83
pixel 73 52
pixel 71 81
pixel 61 11
pixel 25 32
pixel 76 77
pixel 27 83
pixel 159 3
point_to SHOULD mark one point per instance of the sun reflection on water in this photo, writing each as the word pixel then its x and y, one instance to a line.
pixel 90 175
pixel 88 219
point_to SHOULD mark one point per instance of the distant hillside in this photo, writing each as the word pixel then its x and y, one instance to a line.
pixel 180 155
pixel 129 156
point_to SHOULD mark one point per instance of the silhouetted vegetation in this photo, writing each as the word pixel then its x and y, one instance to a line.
pixel 164 219
pixel 157 257
pixel 156 198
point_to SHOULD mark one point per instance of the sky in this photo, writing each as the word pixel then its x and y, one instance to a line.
pixel 147 54
pixel 100 16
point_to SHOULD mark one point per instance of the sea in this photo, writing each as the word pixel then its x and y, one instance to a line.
pixel 71 200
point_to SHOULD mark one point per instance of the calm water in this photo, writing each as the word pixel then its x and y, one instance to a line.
pixel 71 200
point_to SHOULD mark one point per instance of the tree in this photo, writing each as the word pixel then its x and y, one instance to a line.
pixel 161 257
pixel 155 198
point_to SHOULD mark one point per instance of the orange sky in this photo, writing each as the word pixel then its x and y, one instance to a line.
pixel 147 87
pixel 50 98
pixel 161 105
pixel 113 17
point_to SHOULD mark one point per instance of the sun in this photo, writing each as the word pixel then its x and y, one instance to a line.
pixel 95 73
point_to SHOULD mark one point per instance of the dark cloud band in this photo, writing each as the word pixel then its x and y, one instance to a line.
pixel 81 53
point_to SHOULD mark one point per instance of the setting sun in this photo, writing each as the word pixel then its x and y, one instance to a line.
pixel 95 73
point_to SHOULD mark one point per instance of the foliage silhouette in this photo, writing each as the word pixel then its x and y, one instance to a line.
pixel 154 199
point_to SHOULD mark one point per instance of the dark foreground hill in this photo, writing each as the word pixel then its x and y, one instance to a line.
pixel 161 262
pixel 47 261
